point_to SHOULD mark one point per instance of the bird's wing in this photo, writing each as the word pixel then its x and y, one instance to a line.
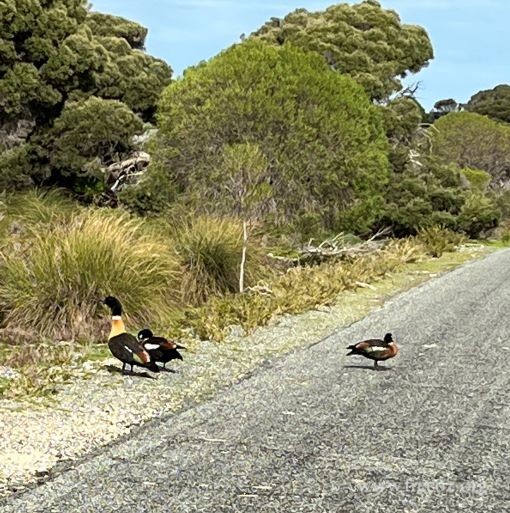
pixel 150 346
pixel 132 345
pixel 163 343
pixel 371 346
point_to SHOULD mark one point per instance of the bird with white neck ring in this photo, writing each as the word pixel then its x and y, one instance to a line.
pixel 124 346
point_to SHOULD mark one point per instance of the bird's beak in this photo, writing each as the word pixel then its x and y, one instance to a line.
pixel 177 346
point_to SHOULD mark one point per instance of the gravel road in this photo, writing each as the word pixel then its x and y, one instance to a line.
pixel 315 431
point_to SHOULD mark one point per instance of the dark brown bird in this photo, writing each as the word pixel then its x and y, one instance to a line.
pixel 160 349
pixel 123 345
pixel 375 349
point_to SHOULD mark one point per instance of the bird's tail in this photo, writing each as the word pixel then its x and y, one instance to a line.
pixel 178 355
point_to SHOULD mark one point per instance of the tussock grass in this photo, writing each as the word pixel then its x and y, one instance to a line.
pixel 54 286
pixel 41 206
pixel 209 251
pixel 20 213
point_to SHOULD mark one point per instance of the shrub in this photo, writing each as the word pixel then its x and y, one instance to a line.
pixel 54 284
pixel 321 137
pixel 478 215
pixel 478 179
pixel 297 290
pixel 473 141
pixel 437 240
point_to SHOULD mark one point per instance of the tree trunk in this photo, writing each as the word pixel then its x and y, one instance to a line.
pixel 243 257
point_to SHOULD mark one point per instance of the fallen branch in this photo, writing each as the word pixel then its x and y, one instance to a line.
pixel 337 247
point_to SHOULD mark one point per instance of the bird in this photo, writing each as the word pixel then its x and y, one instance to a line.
pixel 375 349
pixel 159 348
pixel 124 346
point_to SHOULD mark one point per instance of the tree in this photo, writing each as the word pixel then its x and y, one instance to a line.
pixel 471 140
pixel 494 103
pixel 244 174
pixel 402 117
pixel 364 41
pixel 54 57
pixel 422 196
pixel 322 138
pixel 443 107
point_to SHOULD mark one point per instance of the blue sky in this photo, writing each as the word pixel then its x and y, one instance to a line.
pixel 469 36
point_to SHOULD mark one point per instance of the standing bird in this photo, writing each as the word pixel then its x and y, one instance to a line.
pixel 124 346
pixel 375 349
pixel 159 348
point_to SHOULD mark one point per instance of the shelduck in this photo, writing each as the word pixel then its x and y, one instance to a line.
pixel 375 349
pixel 124 346
pixel 159 348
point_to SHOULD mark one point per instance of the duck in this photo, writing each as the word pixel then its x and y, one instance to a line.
pixel 375 349
pixel 124 346
pixel 160 349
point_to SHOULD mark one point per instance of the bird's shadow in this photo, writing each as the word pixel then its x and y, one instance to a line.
pixel 117 370
pixel 368 367
pixel 164 369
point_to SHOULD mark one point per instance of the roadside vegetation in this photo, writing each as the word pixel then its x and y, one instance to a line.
pixel 192 199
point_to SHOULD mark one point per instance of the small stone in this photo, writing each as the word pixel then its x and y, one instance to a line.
pixel 8 372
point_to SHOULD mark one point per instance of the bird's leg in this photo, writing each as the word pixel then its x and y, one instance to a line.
pixel 375 365
pixel 123 367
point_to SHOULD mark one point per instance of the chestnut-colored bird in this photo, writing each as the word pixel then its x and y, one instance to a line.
pixel 375 349
pixel 123 345
pixel 159 348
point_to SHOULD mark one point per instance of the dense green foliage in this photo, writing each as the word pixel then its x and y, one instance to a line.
pixel 363 40
pixel 64 68
pixel 322 139
pixel 422 196
pixel 471 140
pixel 494 103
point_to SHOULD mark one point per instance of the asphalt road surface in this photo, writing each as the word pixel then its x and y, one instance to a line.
pixel 315 431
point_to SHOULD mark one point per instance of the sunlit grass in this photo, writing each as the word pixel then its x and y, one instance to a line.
pixel 54 286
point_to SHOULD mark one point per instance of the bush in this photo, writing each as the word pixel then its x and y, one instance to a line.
pixel 322 139
pixel 473 141
pixel 422 197
pixel 478 215
pixel 209 252
pixel 478 179
pixel 54 283
pixel 438 240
